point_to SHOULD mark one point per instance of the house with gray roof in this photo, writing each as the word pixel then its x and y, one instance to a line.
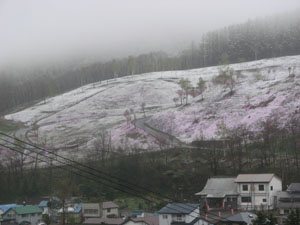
pixel 181 214
pixel 219 192
pixel 243 218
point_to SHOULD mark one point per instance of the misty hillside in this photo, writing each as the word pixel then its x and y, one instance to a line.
pixel 264 89
pixel 274 36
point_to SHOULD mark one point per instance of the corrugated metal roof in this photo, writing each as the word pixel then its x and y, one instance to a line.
pixel 263 177
pixel 219 187
pixel 293 187
pixel 178 208
pixel 27 209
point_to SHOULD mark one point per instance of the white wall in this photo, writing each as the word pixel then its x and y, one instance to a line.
pixel 113 211
pixel 257 196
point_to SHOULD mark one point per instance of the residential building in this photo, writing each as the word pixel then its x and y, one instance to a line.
pixel 109 210
pixel 219 192
pixel 243 218
pixel 287 201
pixel 23 215
pixel 181 214
pixel 257 191
pixel 91 210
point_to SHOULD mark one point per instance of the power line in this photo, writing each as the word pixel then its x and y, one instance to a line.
pixel 85 170
pixel 112 187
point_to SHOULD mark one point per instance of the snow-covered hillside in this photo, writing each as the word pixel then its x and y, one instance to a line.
pixel 81 114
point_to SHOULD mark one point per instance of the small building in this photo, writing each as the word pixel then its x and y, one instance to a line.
pixel 109 210
pixel 287 201
pixel 219 192
pixel 243 218
pixel 181 214
pixel 257 191
pixel 91 210
pixel 23 215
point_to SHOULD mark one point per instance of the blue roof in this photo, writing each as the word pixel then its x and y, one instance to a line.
pixel 178 208
pixel 78 208
pixel 43 203
pixel 4 208
pixel 137 212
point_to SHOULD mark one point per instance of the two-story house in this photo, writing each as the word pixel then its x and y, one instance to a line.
pixel 91 210
pixel 257 191
pixel 29 214
pixel 181 214
pixel 109 209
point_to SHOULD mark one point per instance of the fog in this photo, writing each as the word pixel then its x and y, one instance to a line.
pixel 34 31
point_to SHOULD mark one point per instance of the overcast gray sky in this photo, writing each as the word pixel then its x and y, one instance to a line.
pixel 37 30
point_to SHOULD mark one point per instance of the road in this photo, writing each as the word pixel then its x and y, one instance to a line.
pixel 163 137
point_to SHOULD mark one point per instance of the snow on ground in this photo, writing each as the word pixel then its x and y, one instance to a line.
pixel 79 115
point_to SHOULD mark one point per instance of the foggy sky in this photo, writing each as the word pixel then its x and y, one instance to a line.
pixel 32 31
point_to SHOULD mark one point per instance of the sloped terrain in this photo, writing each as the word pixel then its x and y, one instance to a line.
pixel 264 89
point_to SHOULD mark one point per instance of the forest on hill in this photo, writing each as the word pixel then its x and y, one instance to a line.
pixel 256 39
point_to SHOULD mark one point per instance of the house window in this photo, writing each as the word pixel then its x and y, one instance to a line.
pixel 245 187
pixel 179 218
pixel 271 188
pixel 264 200
pixel 108 210
pixel 261 187
pixel 246 199
pixel 165 217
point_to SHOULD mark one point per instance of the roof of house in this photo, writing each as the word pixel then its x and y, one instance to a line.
pixel 262 177
pixel 191 223
pixel 150 220
pixel 293 187
pixel 178 208
pixel 109 205
pixel 90 205
pixel 108 221
pixel 27 209
pixel 4 208
pixel 219 187
pixel 246 217
pixel 43 203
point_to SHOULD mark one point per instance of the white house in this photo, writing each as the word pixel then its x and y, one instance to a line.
pixel 23 215
pixel 91 210
pixel 257 191
pixel 109 209
pixel 181 213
